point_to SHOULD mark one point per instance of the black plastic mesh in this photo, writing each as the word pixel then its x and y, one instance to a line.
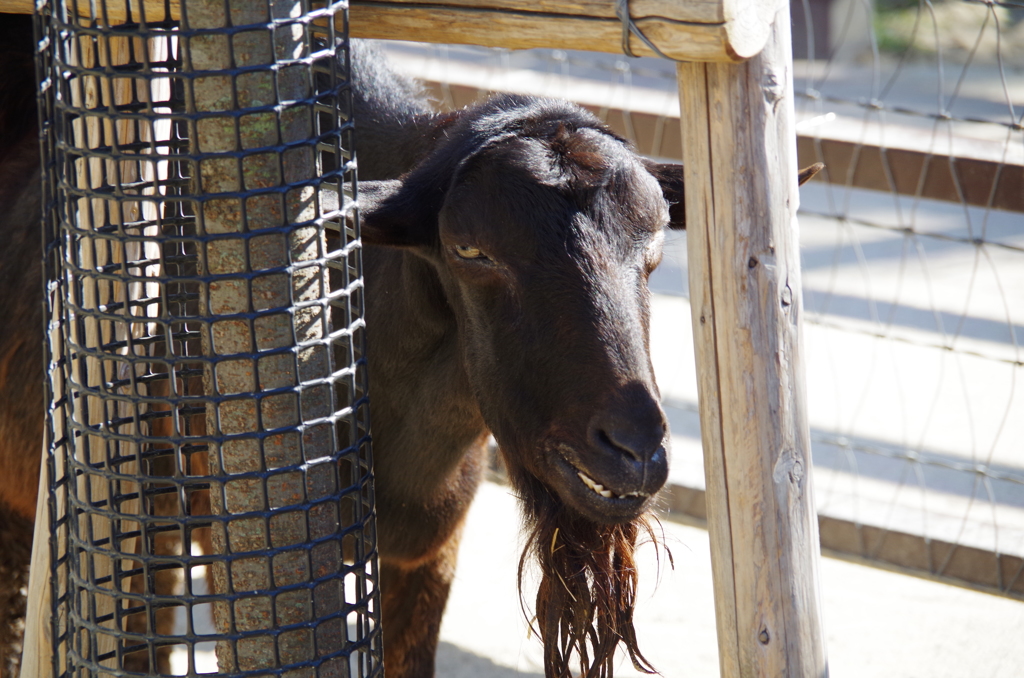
pixel 208 450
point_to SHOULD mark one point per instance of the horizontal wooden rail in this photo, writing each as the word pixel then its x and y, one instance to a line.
pixel 974 181
pixel 693 30
pixel 697 30
pixel 913 554
pixel 975 175
pixel 970 176
pixel 703 30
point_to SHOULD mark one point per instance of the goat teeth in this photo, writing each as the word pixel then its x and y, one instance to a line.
pixel 596 486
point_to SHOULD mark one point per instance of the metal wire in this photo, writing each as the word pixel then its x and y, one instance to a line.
pixel 630 27
pixel 913 297
pixel 208 437
pixel 946 429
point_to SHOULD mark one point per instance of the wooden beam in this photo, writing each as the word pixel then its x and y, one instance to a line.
pixel 689 11
pixel 943 561
pixel 744 272
pixel 974 174
pixel 872 546
pixel 962 178
pixel 703 30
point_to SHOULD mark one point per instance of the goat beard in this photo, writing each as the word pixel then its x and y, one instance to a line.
pixel 588 583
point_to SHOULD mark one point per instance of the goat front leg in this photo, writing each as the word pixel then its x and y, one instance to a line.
pixel 413 598
pixel 166 582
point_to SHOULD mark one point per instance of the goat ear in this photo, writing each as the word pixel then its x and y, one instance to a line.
pixel 404 212
pixel 807 173
pixel 670 177
pixel 388 217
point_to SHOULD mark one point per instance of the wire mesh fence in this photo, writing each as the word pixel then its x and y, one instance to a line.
pixel 208 451
pixel 913 265
pixel 209 455
pixel 913 281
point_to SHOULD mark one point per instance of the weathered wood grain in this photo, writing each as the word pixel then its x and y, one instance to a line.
pixel 37 645
pixel 700 216
pixel 526 30
pixel 744 276
pixel 693 11
pixel 696 30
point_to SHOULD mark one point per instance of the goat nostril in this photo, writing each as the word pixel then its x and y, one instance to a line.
pixel 606 441
pixel 629 425
pixel 634 446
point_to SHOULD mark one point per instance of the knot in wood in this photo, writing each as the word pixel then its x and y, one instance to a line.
pixel 772 89
pixel 787 295
pixel 763 636
pixel 789 467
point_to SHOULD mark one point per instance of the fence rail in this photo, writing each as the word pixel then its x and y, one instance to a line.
pixel 975 174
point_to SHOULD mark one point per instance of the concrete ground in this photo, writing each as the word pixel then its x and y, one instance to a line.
pixel 878 623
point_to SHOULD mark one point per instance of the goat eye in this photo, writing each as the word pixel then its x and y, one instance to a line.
pixel 467 252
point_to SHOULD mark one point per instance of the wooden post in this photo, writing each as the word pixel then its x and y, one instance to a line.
pixel 305 327
pixel 741 200
pixel 37 646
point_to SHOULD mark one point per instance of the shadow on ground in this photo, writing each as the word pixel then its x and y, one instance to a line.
pixel 454 662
